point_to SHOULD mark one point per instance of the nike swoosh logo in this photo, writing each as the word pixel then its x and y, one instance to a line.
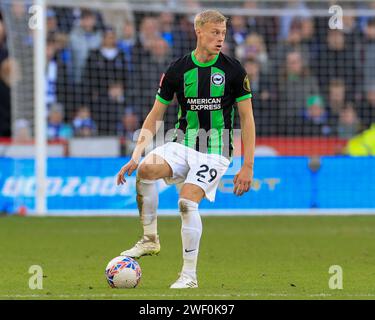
pixel 188 84
pixel 187 251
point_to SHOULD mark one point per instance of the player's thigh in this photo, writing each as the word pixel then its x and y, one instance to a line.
pixel 154 167
pixel 192 192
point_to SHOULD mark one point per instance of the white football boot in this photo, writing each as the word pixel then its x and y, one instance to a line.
pixel 185 282
pixel 144 247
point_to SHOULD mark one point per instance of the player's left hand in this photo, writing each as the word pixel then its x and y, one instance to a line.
pixel 242 180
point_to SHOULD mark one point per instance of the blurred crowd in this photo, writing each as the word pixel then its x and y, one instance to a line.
pixel 103 70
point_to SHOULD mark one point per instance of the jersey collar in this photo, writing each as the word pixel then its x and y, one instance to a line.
pixel 203 64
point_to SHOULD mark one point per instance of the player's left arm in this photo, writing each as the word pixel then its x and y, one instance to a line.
pixel 243 179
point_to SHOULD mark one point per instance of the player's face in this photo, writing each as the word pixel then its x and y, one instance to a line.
pixel 211 37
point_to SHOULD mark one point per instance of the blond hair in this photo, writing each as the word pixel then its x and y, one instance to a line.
pixel 206 16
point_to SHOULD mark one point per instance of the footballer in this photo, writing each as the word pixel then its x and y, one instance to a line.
pixel 207 85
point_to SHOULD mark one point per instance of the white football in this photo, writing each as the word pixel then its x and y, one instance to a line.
pixel 123 272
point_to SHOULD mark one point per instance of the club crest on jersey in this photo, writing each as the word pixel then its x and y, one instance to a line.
pixel 217 79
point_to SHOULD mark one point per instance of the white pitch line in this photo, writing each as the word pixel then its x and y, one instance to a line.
pixel 183 295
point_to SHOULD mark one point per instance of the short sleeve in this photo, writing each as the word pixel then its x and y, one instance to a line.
pixel 167 86
pixel 241 85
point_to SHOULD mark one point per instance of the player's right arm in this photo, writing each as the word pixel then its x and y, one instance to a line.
pixel 167 89
pixel 150 126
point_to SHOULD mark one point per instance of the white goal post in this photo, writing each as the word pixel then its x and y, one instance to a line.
pixel 40 108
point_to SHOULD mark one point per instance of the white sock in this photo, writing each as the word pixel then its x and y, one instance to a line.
pixel 191 232
pixel 147 200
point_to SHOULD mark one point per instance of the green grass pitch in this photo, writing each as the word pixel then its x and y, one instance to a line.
pixel 240 257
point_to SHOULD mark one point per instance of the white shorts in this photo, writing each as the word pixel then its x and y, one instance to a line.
pixel 190 166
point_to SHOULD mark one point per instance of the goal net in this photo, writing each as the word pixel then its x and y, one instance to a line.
pixel 311 67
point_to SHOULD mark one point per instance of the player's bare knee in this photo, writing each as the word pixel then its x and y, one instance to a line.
pixel 146 171
pixel 192 193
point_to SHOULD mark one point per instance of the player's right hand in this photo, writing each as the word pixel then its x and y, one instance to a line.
pixel 129 169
